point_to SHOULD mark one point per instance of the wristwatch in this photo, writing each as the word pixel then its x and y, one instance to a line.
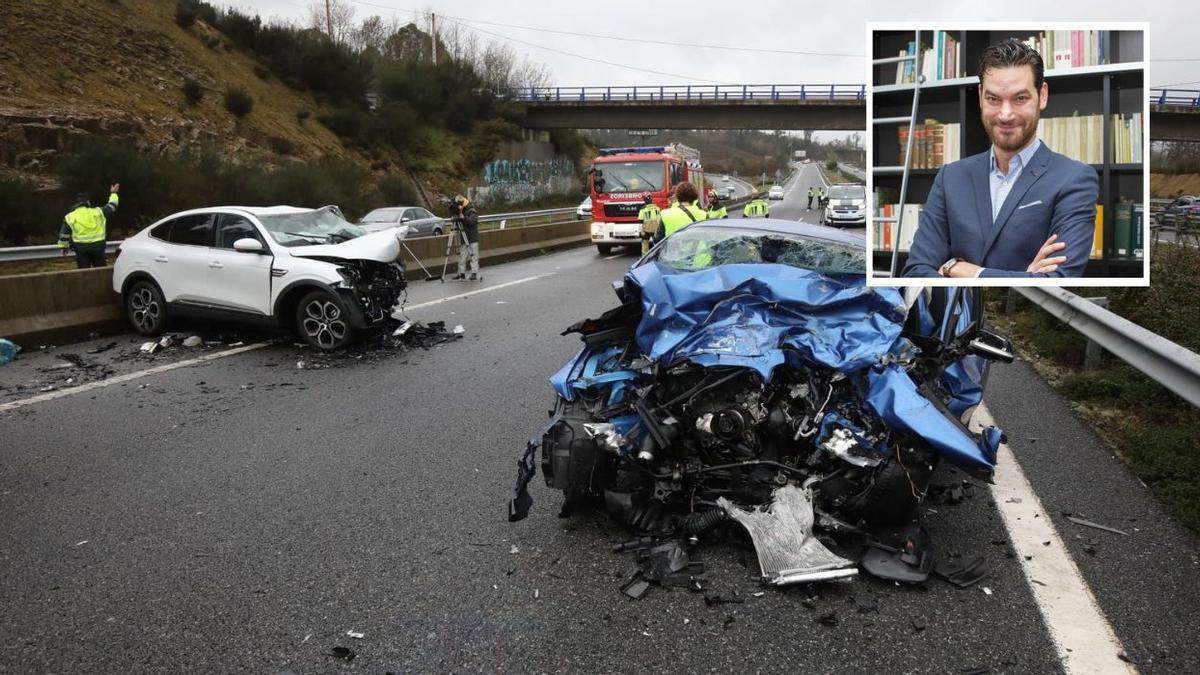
pixel 944 270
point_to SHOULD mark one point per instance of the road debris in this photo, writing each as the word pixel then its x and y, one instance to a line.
pixel 193 341
pixel 150 347
pixel 102 348
pixel 964 575
pixel 355 634
pixel 1097 526
pixel 344 653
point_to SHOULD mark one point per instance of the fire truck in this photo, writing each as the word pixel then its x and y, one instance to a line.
pixel 620 180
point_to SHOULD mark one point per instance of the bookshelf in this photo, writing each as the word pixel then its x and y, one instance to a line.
pixel 1095 115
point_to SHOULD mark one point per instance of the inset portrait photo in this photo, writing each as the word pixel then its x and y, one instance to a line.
pixel 1008 155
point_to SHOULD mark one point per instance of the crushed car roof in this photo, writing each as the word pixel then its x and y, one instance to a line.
pixel 788 227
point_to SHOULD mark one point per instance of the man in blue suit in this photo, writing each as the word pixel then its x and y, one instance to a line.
pixel 1019 209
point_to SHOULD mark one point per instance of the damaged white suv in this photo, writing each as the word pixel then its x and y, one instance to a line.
pixel 280 266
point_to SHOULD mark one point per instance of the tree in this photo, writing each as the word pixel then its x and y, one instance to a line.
pixel 334 18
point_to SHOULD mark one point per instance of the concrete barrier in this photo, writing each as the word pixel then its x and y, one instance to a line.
pixel 62 306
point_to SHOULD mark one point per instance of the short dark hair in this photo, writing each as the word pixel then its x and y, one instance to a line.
pixel 686 193
pixel 1012 53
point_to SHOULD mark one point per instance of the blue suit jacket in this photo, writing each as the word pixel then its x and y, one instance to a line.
pixel 1053 195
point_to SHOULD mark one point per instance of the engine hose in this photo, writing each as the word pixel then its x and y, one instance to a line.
pixel 695 523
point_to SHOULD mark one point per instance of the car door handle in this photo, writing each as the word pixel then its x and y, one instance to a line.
pixel 161 258
pixel 216 265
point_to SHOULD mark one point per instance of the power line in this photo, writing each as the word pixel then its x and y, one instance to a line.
pixel 691 45
pixel 586 58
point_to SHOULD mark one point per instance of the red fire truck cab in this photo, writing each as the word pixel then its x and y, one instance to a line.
pixel 621 178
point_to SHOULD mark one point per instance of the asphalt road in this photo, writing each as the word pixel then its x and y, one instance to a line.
pixel 245 513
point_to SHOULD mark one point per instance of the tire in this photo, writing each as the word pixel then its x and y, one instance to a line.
pixel 604 249
pixel 146 308
pixel 323 322
pixel 437 232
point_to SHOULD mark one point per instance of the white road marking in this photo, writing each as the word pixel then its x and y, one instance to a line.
pixel 1084 639
pixel 614 257
pixel 474 292
pixel 100 384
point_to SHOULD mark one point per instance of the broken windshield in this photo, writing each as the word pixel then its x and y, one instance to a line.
pixel 303 228
pixel 630 177
pixel 697 248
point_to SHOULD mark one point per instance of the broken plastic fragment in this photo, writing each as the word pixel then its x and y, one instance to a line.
pixel 193 341
pixel 344 653
pixel 149 347
pixel 403 328
pixel 354 634
pixel 788 553
pixel 458 330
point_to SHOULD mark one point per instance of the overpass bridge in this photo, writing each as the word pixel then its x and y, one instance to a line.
pixel 1174 115
pixel 741 106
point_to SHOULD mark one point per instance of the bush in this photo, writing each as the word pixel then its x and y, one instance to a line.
pixel 30 216
pixel 192 91
pixel 831 165
pixel 280 146
pixel 395 190
pixel 346 121
pixel 186 13
pixel 238 102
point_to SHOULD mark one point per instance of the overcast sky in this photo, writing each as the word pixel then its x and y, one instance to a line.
pixel 772 42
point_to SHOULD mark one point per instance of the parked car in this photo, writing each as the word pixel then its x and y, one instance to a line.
pixel 279 266
pixel 776 192
pixel 847 205
pixel 585 209
pixel 1182 205
pixel 724 179
pixel 748 364
pixel 420 222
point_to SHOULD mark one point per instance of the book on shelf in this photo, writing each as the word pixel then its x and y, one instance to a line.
pixel 1098 235
pixel 934 144
pixel 1078 137
pixel 1122 229
pixel 910 217
pixel 1136 231
pixel 1127 135
pixel 1064 49
pixel 940 61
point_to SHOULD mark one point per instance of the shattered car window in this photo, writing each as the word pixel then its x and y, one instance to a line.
pixel 319 226
pixel 704 247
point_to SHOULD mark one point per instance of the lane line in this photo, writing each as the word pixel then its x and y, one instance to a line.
pixel 1085 641
pixel 470 293
pixel 100 384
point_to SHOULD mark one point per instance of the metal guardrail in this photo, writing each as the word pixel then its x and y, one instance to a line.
pixel 49 251
pixel 1177 97
pixel 1163 361
pixel 692 92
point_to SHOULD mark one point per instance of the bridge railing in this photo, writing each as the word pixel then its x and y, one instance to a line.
pixel 1177 97
pixel 714 92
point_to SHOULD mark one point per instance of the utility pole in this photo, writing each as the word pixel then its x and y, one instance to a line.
pixel 433 36
pixel 329 21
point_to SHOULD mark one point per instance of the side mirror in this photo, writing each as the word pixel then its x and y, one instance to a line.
pixel 992 346
pixel 405 219
pixel 248 245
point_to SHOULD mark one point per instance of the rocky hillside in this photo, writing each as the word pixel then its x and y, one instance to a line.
pixel 1169 185
pixel 72 69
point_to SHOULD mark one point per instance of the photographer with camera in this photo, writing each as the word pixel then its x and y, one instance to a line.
pixel 465 224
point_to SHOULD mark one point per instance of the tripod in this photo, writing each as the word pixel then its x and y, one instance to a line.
pixel 459 238
pixel 428 275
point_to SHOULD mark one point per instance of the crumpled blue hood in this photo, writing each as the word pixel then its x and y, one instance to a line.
pixel 746 315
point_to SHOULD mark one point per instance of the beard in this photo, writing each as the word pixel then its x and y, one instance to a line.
pixel 1011 139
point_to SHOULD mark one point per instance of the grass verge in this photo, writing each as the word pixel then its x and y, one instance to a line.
pixel 1150 428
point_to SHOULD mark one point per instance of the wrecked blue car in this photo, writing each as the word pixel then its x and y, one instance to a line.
pixel 750 378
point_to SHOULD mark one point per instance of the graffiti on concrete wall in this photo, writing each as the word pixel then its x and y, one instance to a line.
pixel 522 180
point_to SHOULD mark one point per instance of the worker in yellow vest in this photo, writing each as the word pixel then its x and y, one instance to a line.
pixel 85 229
pixel 681 215
pixel 756 208
pixel 649 218
pixel 716 209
